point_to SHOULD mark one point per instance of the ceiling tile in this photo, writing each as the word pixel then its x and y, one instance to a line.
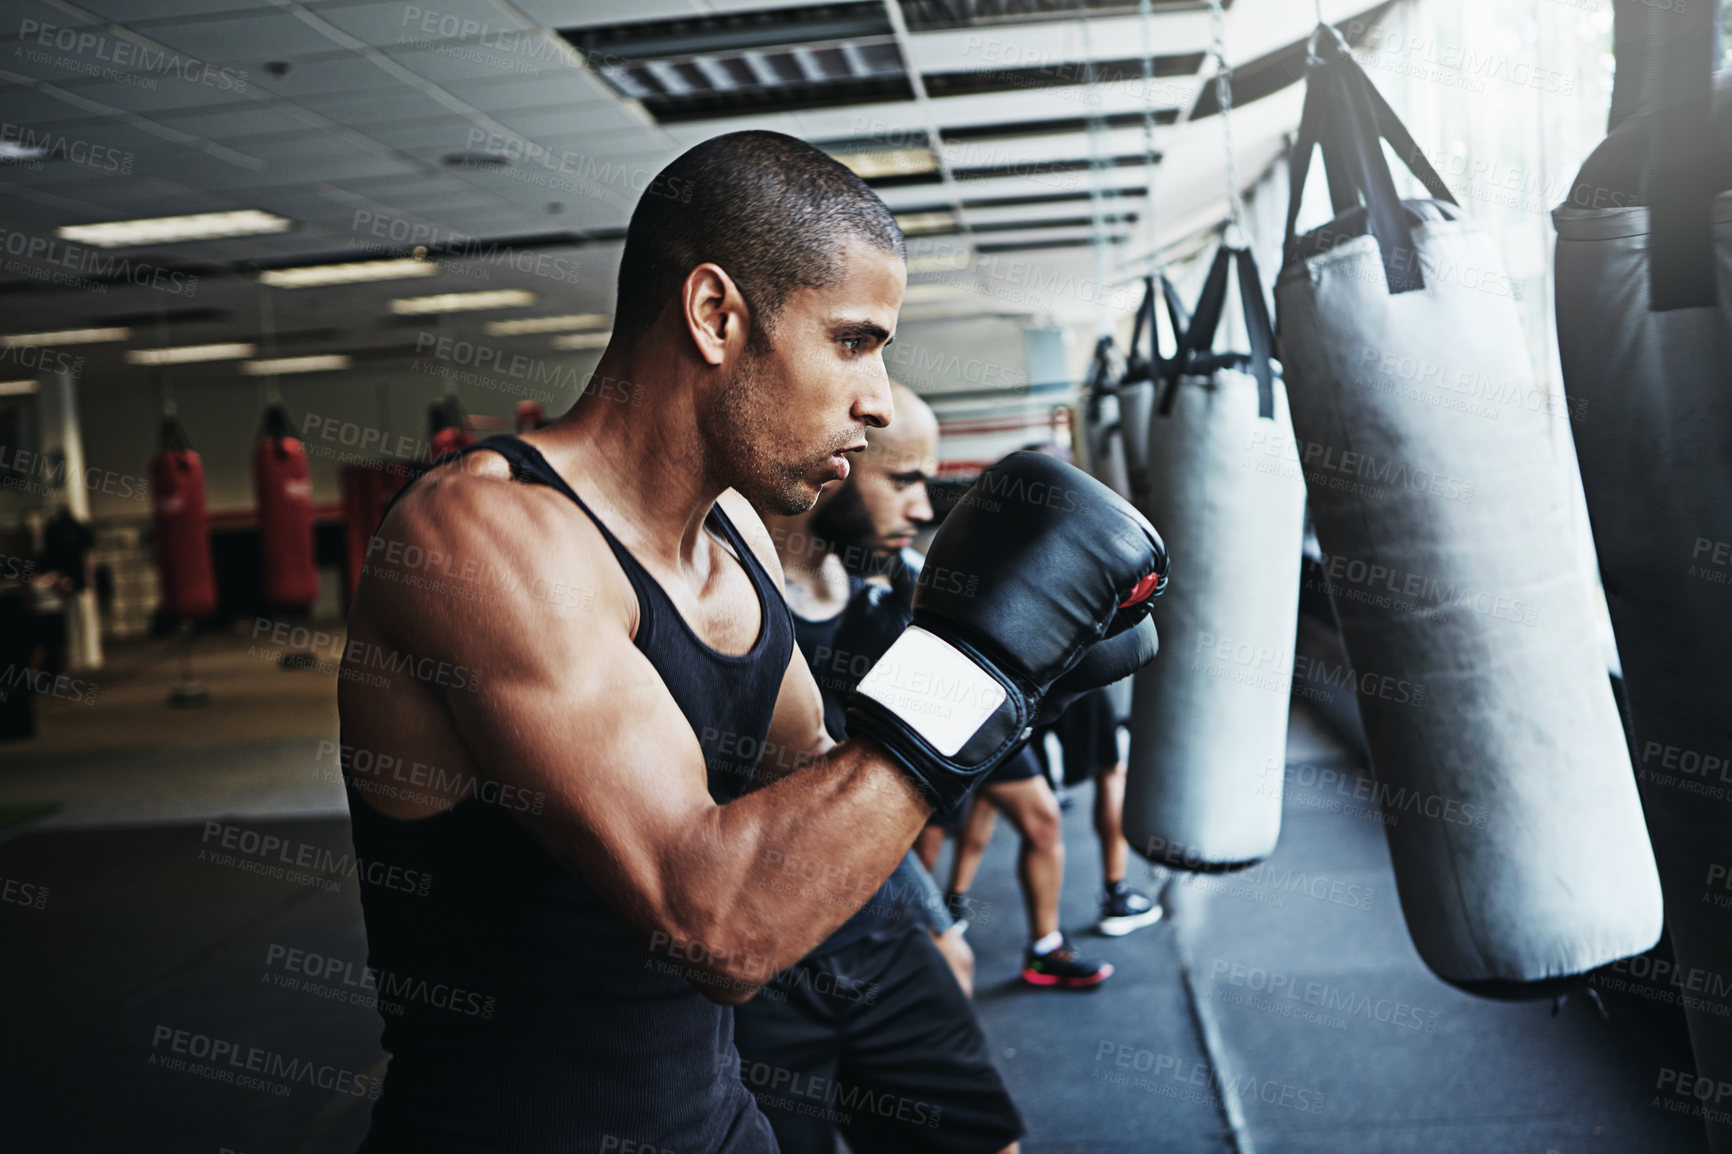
pixel 428 134
pixel 142 11
pixel 442 22
pixel 525 57
pixel 243 42
pixel 150 93
pixel 324 73
pixel 535 122
pixel 398 104
pixel 35 108
pixel 251 119
pixel 555 86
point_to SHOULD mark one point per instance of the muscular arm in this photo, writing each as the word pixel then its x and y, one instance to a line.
pixel 568 706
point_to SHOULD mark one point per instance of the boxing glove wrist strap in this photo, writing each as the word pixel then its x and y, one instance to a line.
pixel 935 688
pixel 943 711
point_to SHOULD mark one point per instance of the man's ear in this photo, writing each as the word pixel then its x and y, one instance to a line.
pixel 715 313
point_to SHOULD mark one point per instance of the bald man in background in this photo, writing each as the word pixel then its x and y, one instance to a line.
pixel 872 1033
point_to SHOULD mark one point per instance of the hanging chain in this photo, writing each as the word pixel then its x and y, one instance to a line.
pixel 1224 97
pixel 268 331
pixel 1147 10
pixel 1097 171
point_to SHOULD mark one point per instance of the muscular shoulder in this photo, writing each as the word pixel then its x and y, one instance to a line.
pixel 467 543
pixel 751 527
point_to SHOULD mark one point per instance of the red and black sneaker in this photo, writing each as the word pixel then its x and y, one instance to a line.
pixel 1063 968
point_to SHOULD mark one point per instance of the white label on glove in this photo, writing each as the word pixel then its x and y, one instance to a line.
pixel 928 683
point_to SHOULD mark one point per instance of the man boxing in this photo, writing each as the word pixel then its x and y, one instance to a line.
pixel 873 1006
pixel 578 640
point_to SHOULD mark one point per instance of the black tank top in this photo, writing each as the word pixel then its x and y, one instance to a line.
pixel 520 1013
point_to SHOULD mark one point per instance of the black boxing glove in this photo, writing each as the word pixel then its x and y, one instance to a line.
pixel 874 618
pixel 1036 588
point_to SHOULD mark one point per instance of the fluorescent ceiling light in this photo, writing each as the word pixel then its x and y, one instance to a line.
pixel 187 354
pixel 462 302
pixel 918 223
pixel 11 152
pixel 322 364
pixel 17 388
pixel 167 229
pixel 65 337
pixel 939 261
pixel 889 162
pixel 547 324
pixel 583 341
pixel 354 272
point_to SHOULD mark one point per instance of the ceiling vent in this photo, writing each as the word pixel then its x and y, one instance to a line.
pixel 1073 73
pixel 927 15
pixel 700 67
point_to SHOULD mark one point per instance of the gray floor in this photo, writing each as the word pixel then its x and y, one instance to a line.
pixel 143 932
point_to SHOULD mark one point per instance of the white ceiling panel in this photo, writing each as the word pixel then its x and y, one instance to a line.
pixel 242 41
pixel 402 103
pixel 578 13
pixel 147 95
pixel 325 73
pixel 33 108
pixel 440 22
pixel 248 121
pixel 554 87
pixel 142 12
pixel 456 64
pixel 1053 43
pixel 536 122
pixel 434 135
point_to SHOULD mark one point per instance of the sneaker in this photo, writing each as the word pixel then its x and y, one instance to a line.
pixel 958 904
pixel 1063 968
pixel 1123 909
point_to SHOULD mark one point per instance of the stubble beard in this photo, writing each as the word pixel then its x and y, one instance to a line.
pixel 742 453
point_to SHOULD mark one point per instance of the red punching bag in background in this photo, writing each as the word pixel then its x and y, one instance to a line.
pixel 530 415
pixel 181 527
pixel 447 430
pixel 285 497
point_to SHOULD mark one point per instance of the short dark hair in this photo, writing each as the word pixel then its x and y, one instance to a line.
pixel 771 210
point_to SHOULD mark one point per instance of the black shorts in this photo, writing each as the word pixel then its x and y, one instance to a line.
pixel 1020 766
pixel 1088 733
pixel 877 1040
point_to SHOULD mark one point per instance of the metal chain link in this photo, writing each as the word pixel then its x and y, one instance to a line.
pixel 1224 97
pixel 1146 9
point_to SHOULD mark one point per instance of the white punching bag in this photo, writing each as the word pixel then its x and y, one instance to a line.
pixel 1209 719
pixel 1644 306
pixel 1515 828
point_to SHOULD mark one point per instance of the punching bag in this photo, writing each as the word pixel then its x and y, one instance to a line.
pixel 1209 720
pixel 285 496
pixel 181 527
pixel 446 430
pixel 1644 309
pixel 1514 825
pixel 1100 422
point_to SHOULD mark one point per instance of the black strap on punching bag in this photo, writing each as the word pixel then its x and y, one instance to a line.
pixel 1678 72
pixel 275 424
pixel 1140 368
pixel 1346 115
pixel 1100 379
pixel 171 437
pixel 1196 355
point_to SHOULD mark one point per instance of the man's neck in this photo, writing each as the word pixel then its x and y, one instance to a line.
pixel 633 438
